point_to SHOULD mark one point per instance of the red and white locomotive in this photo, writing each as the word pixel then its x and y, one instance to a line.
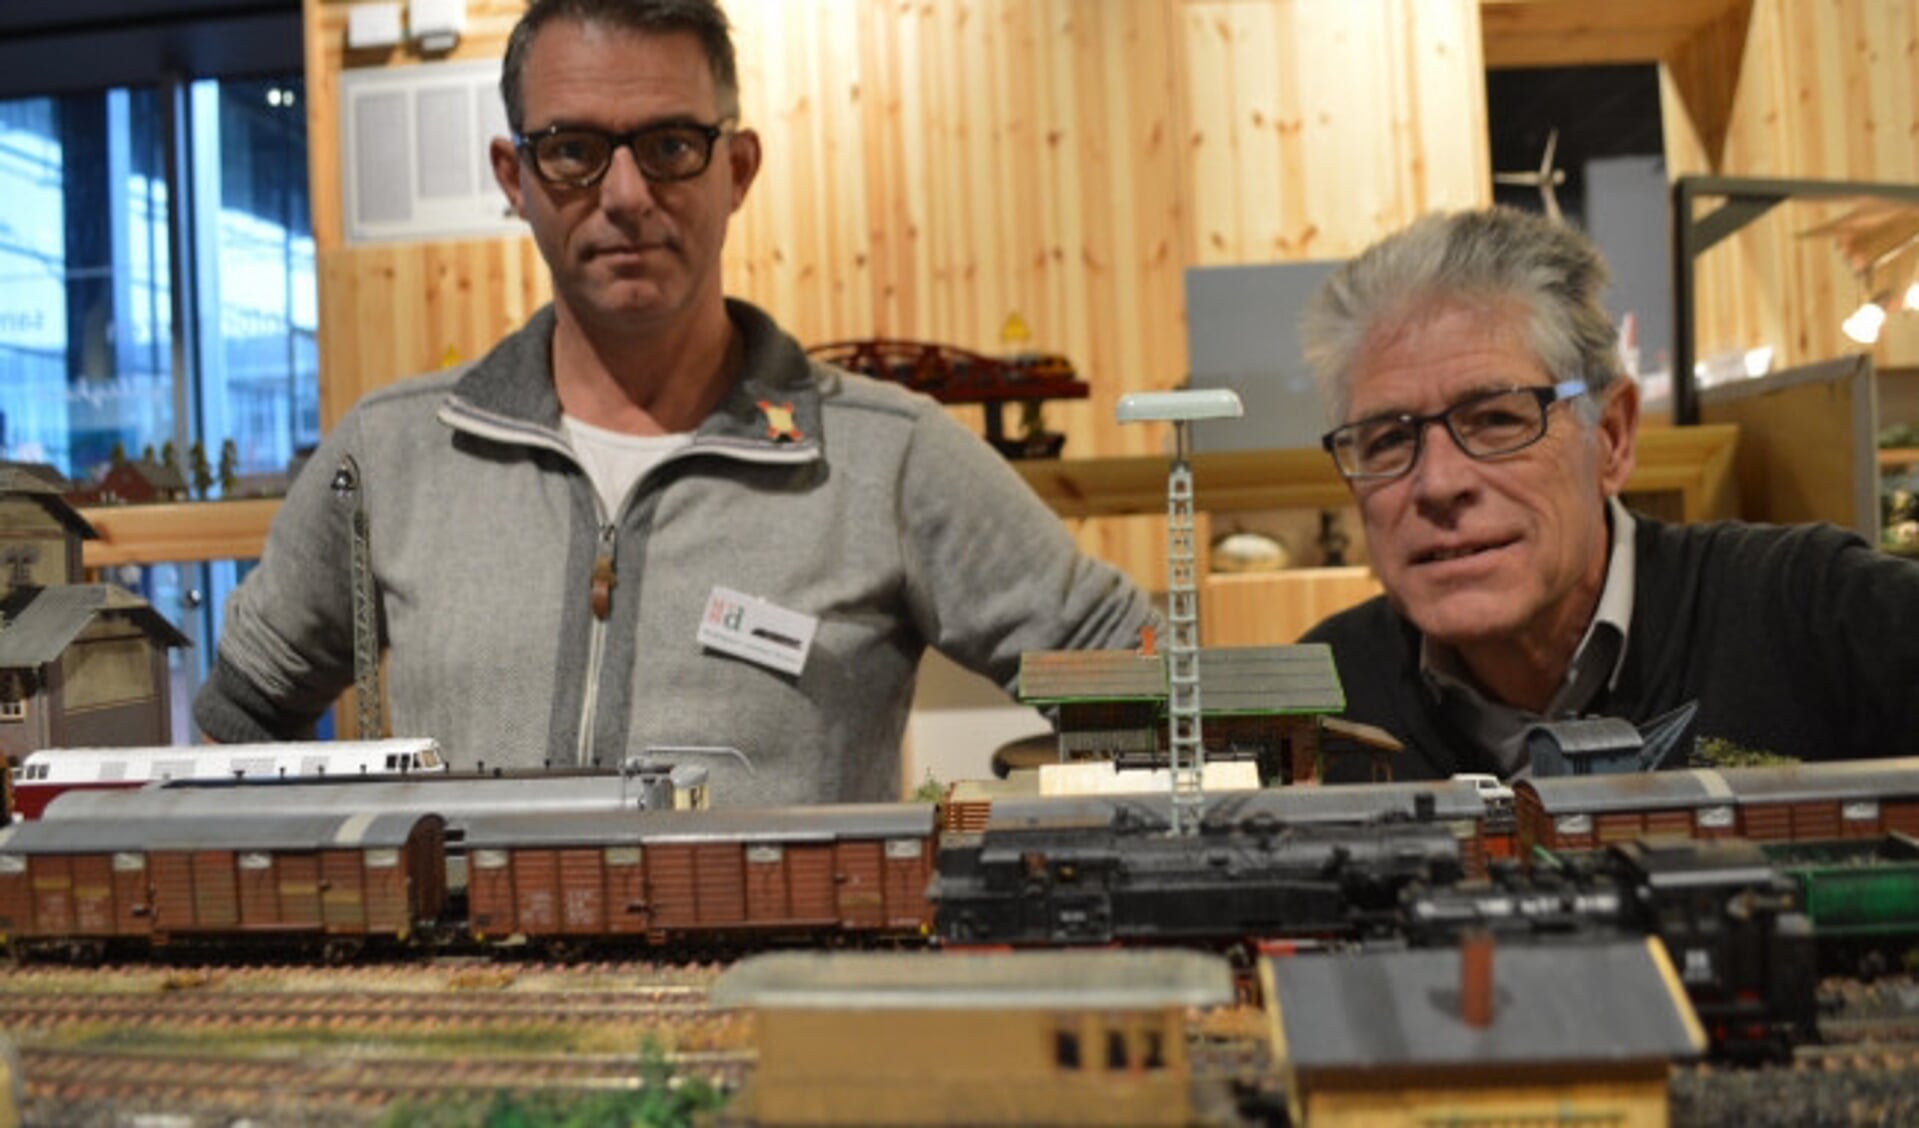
pixel 48 773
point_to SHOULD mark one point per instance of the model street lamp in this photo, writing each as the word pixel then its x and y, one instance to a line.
pixel 1187 753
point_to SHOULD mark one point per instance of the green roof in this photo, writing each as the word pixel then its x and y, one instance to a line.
pixel 1251 680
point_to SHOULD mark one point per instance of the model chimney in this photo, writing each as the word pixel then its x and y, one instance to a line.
pixel 1147 642
pixel 1476 978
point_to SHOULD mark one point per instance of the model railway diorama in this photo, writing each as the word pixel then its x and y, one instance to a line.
pixel 1757 883
pixel 1455 951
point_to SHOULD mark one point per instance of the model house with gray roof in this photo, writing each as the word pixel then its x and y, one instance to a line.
pixel 80 664
pixel 1570 1033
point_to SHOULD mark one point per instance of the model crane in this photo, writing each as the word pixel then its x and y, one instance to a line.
pixel 370 713
pixel 1186 750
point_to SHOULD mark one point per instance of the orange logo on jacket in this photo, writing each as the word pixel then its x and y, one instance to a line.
pixel 779 422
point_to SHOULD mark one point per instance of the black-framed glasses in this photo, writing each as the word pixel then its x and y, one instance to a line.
pixel 1486 425
pixel 578 156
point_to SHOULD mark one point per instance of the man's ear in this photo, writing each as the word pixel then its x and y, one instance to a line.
pixel 506 171
pixel 1617 434
pixel 743 158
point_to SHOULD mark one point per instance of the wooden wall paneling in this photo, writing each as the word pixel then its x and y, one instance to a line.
pixel 1557 33
pixel 1444 49
pixel 1703 69
pixel 323 130
pixel 1825 91
pixel 1317 128
pixel 392 310
pixel 1275 608
pixel 890 161
pixel 1686 151
pixel 1805 451
pixel 1239 75
pixel 798 246
pixel 1130 207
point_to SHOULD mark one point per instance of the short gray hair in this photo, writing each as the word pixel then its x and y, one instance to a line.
pixel 702 18
pixel 1477 259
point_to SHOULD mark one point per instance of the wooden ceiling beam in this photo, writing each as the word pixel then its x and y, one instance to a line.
pixel 1556 33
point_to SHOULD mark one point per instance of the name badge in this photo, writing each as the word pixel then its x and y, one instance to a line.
pixel 763 633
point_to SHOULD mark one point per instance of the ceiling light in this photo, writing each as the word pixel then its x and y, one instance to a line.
pixel 1864 324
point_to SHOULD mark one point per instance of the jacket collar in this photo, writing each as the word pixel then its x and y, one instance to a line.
pixel 508 394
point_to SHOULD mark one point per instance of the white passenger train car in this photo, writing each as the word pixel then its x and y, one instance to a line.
pixel 53 771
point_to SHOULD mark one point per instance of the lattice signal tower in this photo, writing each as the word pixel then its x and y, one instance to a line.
pixel 1187 750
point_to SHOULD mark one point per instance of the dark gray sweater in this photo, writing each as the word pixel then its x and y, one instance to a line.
pixel 1801 641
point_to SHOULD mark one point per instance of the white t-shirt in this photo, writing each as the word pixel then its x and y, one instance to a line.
pixel 615 461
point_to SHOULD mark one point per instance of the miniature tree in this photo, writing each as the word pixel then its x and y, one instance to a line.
pixel 146 454
pixel 930 789
pixel 229 467
pixel 1719 752
pixel 202 473
pixel 169 455
pixel 117 457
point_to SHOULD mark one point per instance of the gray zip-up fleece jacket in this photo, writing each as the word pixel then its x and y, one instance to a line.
pixel 884 518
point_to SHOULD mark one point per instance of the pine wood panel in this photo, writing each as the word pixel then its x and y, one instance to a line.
pixel 1316 128
pixel 390 310
pixel 197 530
pixel 1827 92
pixel 1275 608
pixel 1539 33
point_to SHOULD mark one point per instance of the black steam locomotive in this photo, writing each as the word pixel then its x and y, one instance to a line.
pixel 1731 920
pixel 1106 871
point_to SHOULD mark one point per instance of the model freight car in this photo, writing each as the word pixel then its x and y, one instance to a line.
pixel 332 883
pixel 729 878
pixel 1861 896
pixel 1796 803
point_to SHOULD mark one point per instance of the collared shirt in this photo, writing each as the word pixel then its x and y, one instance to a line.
pixel 1596 662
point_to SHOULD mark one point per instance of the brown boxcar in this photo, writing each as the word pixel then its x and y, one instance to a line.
pixel 1827 801
pixel 701 875
pixel 1792 803
pixel 81 884
pixel 1589 812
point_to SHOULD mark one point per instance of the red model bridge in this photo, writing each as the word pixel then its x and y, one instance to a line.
pixel 954 375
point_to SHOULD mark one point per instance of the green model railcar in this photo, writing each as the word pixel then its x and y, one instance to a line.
pixel 1862 896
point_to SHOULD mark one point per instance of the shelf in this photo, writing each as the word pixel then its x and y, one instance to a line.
pixel 1898 458
pixel 178 531
pixel 1693 463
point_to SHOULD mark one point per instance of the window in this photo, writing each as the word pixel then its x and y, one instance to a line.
pixel 1154 1051
pixel 13 711
pixel 1066 1045
pixel 163 304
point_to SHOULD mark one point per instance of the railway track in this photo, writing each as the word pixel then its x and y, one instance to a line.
pixel 62 1085
pixel 292 1045
pixel 1863 1055
pixel 346 1008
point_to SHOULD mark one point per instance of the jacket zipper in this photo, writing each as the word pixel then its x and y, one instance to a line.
pixel 600 593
